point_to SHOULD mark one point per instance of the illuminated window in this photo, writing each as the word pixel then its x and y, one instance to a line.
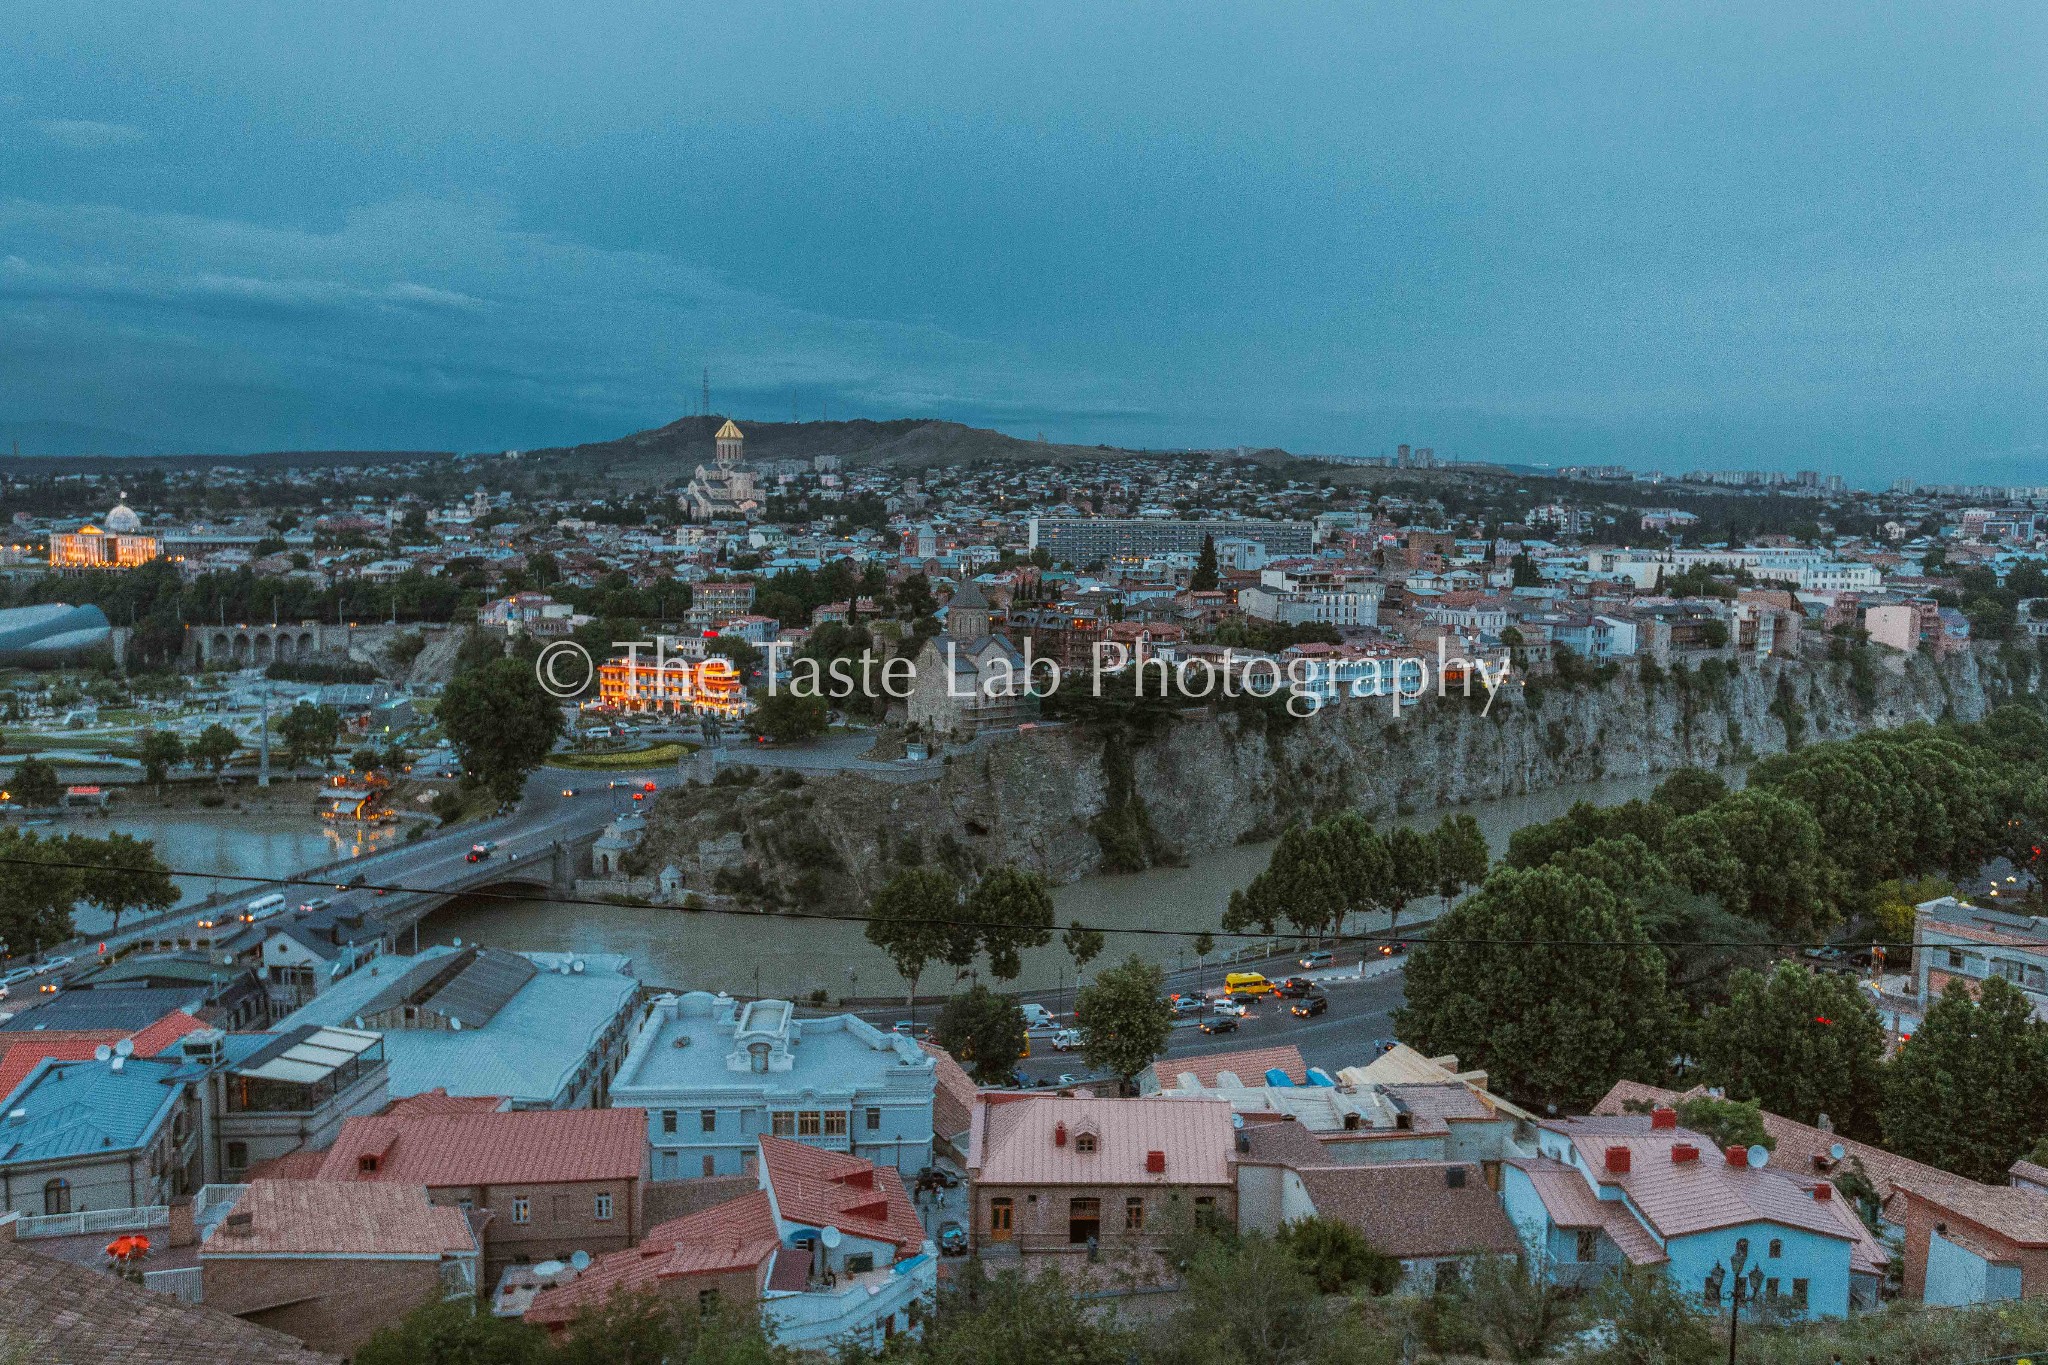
pixel 1134 1214
pixel 521 1211
pixel 835 1123
pixel 809 1123
pixel 785 1123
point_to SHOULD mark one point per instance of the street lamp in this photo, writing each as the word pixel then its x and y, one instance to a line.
pixel 1740 1290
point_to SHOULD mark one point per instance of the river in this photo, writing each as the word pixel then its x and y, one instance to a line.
pixel 756 954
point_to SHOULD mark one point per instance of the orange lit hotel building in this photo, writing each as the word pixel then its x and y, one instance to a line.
pixel 673 685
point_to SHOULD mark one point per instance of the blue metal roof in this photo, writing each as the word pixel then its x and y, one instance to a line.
pixel 1275 1076
pixel 70 1110
pixel 1318 1076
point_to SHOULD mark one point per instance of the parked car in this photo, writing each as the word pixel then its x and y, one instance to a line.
pixel 1309 1008
pixel 1381 1045
pixel 58 963
pixel 1223 1024
pixel 1036 1016
pixel 1295 986
pixel 952 1239
pixel 905 1027
pixel 17 976
pixel 1828 959
pixel 1067 1078
pixel 1189 1004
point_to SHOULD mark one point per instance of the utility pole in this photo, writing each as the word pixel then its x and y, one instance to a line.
pixel 263 741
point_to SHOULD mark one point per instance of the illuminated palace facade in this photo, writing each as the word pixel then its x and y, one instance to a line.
pixel 121 544
pixel 672 685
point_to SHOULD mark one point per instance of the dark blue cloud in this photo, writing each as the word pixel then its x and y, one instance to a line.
pixel 1766 235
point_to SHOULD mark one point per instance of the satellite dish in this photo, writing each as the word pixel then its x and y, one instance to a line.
pixel 1836 1152
pixel 579 1260
pixel 458 943
pixel 1759 1157
pixel 547 1270
pixel 102 1052
pixel 830 1237
pixel 577 965
pixel 1237 1120
pixel 454 1023
pixel 125 1048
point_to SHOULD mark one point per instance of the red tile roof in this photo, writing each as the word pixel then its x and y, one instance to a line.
pixel 329 1218
pixel 23 1051
pixel 302 1164
pixel 1249 1065
pixel 1409 1209
pixel 534 1146
pixel 439 1101
pixel 830 1189
pixel 736 1235
pixel 953 1104
pixel 1571 1203
pixel 1015 1141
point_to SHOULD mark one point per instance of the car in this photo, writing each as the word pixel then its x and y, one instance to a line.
pixel 17 976
pixel 1067 1078
pixel 905 1027
pixel 317 903
pixel 49 988
pixel 568 791
pixel 1189 1004
pixel 479 852
pixel 1066 1040
pixel 58 963
pixel 1224 1024
pixel 1380 1045
pixel 1235 1008
pixel 1393 949
pixel 952 1239
pixel 1310 1007
pixel 1827 959
pixel 1036 1015
pixel 1311 961
pixel 353 882
pixel 1295 986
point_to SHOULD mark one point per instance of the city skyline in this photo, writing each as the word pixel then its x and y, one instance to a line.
pixel 1756 240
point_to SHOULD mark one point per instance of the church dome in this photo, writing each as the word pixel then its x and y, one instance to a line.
pixel 122 521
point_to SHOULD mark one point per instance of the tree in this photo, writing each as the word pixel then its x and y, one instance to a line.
pixel 910 918
pixel 366 758
pixel 36 898
pixel 502 723
pixel 309 731
pixel 1546 979
pixel 1124 1020
pixel 1763 855
pixel 1009 1319
pixel 1336 1256
pixel 1412 859
pixel 1518 1307
pixel 1206 574
pixel 785 717
pixel 1204 944
pixel 1970 1092
pixel 985 1031
pixel 1689 791
pixel 1461 857
pixel 1804 1043
pixel 35 784
pixel 1651 1321
pixel 119 873
pixel 1727 1123
pixel 214 746
pixel 1008 911
pixel 160 751
pixel 451 1332
pixel 1083 944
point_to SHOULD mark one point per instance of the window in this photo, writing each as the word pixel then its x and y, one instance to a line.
pixel 1799 1293
pixel 707 1302
pixel 1710 1292
pixel 57 1196
pixel 1955 958
pixel 874 1119
pixel 835 1123
pixel 521 1211
pixel 669 1167
pixel 1084 1143
pixel 707 1121
pixel 1771 1289
pixel 238 1155
pixel 668 1120
pixel 1777 1248
pixel 366 1164
pixel 1204 1203
pixel 603 1210
pixel 1001 1216
pixel 861 1264
pixel 710 1164
pixel 785 1123
pixel 1589 1244
pixel 1084 1219
pixel 808 1123
pixel 1448 1276
pixel 1134 1214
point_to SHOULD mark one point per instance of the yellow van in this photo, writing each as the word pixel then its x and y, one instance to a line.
pixel 1246 983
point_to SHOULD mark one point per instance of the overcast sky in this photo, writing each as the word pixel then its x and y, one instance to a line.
pixel 1771 235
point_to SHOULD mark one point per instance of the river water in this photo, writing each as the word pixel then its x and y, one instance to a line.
pixel 792 958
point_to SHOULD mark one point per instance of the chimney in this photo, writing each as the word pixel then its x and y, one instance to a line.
pixel 1155 1163
pixel 182 1233
pixel 1737 1156
pixel 1661 1117
pixel 1683 1153
pixel 1823 1192
pixel 1617 1160
pixel 1454 1177
pixel 1059 1135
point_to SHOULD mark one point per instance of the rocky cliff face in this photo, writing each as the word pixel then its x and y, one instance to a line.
pixel 1063 800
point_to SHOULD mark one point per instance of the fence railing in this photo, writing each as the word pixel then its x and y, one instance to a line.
pixel 93 1220
pixel 183 1283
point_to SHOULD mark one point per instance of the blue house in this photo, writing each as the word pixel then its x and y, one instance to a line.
pixel 1638 1190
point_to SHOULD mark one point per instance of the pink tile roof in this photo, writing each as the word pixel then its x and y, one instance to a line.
pixel 1571 1203
pixel 1013 1141
pixel 301 1164
pixel 1409 1209
pixel 328 1218
pixel 439 1101
pixel 830 1189
pixel 1249 1065
pixel 953 1104
pixel 23 1051
pixel 532 1146
pixel 736 1235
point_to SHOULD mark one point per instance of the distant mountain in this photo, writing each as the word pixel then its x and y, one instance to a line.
pixel 909 443
pixel 71 438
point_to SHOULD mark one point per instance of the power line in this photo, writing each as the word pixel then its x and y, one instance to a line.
pixel 1151 931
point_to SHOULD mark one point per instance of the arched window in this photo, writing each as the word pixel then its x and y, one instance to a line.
pixel 1777 1248
pixel 57 1196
